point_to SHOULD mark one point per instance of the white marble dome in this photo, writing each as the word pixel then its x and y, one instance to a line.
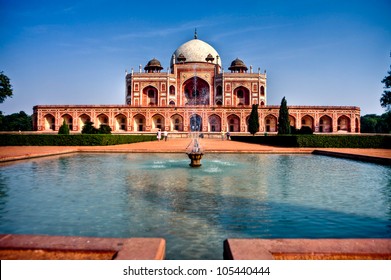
pixel 196 50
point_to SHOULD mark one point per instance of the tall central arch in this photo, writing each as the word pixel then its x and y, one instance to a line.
pixel 196 91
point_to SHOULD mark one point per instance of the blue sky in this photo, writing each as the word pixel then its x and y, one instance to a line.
pixel 76 52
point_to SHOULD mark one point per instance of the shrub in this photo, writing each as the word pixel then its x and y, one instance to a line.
pixel 71 140
pixel 321 141
pixel 64 128
pixel 305 130
pixel 104 129
pixel 89 128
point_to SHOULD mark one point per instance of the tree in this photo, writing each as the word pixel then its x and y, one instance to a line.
pixel 376 124
pixel 253 121
pixel 5 87
pixel 283 119
pixel 16 122
pixel 385 100
pixel 64 128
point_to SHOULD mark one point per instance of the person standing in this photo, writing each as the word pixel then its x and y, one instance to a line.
pixel 159 135
pixel 228 135
pixel 165 134
pixel 222 135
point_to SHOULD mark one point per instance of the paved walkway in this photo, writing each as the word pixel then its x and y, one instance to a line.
pixel 180 145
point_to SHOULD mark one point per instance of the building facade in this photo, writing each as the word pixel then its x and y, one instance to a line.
pixel 195 94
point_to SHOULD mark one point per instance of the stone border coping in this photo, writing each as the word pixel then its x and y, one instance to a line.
pixel 307 249
pixel 14 246
pixel 366 158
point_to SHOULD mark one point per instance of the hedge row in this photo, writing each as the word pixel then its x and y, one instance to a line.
pixel 71 140
pixel 320 141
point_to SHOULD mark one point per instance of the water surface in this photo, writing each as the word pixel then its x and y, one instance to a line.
pixel 195 209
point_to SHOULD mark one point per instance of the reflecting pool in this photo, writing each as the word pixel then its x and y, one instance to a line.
pixel 229 196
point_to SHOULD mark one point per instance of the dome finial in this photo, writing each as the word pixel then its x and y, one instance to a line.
pixel 195 34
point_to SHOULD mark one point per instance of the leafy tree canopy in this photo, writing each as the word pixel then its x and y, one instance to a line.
pixel 5 87
pixel 385 100
pixel 15 122
pixel 376 124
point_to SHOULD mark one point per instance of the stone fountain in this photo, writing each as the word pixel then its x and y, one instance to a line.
pixel 195 153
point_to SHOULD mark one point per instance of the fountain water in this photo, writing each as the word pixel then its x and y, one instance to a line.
pixel 194 151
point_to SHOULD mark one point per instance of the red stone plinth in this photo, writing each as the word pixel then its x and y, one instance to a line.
pixel 307 249
pixel 26 247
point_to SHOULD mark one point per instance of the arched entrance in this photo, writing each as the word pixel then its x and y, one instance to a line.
pixel 241 96
pixel 292 121
pixel 196 91
pixel 150 96
pixel 68 120
pixel 157 122
pixel 357 124
pixel 102 119
pixel 195 123
pixel 325 124
pixel 307 121
pixel 120 122
pixel 233 123
pixel 343 123
pixel 83 119
pixel 177 122
pixel 270 123
pixel 214 123
pixel 49 122
pixel 139 123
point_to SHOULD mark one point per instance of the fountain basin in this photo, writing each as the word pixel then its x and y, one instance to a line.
pixel 195 158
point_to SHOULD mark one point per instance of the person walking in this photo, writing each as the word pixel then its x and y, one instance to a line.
pixel 159 135
pixel 228 135
pixel 165 134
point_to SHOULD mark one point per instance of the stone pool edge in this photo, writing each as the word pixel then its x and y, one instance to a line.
pixel 366 155
pixel 74 246
pixel 359 157
pixel 307 249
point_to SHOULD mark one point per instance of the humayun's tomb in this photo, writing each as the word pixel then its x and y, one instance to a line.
pixel 194 94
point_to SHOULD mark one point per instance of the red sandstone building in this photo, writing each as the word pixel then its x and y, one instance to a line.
pixel 194 94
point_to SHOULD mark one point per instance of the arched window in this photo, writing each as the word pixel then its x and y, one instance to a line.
pixel 172 90
pixel 219 91
pixel 262 91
